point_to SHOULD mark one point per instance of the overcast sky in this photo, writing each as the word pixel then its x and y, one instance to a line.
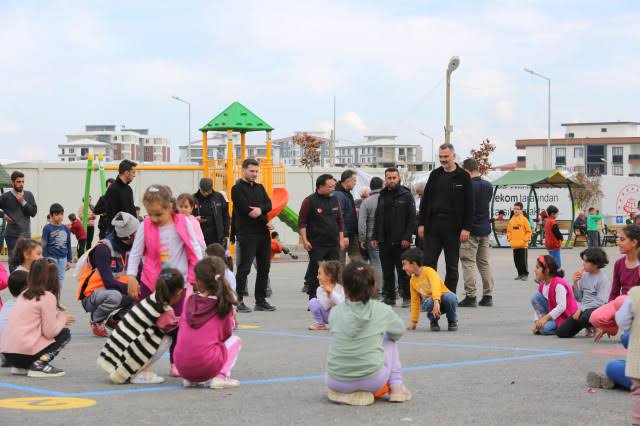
pixel 64 64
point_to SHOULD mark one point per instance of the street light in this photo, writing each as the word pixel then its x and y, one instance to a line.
pixel 189 135
pixel 454 63
pixel 433 158
pixel 547 159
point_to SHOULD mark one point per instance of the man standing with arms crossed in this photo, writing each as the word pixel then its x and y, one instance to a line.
pixel 321 229
pixel 445 217
pixel 18 207
pixel 475 252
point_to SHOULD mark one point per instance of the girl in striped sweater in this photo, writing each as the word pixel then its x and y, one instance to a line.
pixel 140 338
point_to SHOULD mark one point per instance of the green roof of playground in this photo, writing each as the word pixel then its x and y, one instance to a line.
pixel 537 178
pixel 238 118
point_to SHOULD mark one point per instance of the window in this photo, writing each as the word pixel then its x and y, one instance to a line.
pixel 62 151
pixel 570 135
pixel 617 153
pixel 561 156
pixel 578 152
pixel 603 130
pixel 617 170
pixel 72 150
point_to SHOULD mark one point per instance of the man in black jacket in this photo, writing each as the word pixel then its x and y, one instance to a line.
pixel 349 215
pixel 446 211
pixel 119 196
pixel 321 229
pixel 17 207
pixel 393 228
pixel 212 211
pixel 250 207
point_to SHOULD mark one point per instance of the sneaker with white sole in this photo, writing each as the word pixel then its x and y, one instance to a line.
pixel 41 369
pixel 224 383
pixel 19 371
pixel 146 378
pixel 317 326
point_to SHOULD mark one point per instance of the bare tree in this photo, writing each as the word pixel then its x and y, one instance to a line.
pixel 481 155
pixel 311 146
pixel 590 193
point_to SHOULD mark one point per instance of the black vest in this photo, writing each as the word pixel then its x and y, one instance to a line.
pixel 322 223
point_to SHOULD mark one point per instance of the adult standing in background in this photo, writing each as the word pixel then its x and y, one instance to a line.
pixel 366 220
pixel 91 222
pixel 475 252
pixel 446 212
pixel 419 190
pixel 212 211
pixel 348 208
pixel 18 207
pixel 100 210
pixel 395 223
pixel 119 195
pixel 321 229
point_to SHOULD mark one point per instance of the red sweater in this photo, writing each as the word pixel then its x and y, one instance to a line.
pixel 77 230
pixel 552 235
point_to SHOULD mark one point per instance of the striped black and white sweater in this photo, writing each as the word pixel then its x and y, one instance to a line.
pixel 133 342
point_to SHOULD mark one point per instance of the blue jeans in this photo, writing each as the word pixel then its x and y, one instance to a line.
pixel 556 256
pixel 11 244
pixel 448 306
pixel 615 369
pixel 541 307
pixel 62 267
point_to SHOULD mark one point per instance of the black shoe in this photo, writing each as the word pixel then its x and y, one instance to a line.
pixel 453 326
pixel 468 302
pixel 42 369
pixel 243 308
pixel 486 301
pixel 435 326
pixel 524 277
pixel 406 303
pixel 305 289
pixel 264 306
pixel 390 302
pixel 518 277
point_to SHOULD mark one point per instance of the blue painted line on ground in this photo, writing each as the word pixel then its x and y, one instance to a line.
pixel 32 389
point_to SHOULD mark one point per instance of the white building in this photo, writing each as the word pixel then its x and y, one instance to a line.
pixel 133 144
pixel 291 153
pixel 606 148
pixel 217 149
pixel 382 151
pixel 78 150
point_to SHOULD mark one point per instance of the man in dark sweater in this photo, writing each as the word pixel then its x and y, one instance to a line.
pixel 119 196
pixel 321 229
pixel 393 228
pixel 475 252
pixel 445 217
pixel 349 215
pixel 212 211
pixel 18 207
pixel 250 207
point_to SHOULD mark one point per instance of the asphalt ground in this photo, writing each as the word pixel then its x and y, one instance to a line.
pixel 491 371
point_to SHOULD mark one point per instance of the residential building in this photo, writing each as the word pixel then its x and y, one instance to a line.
pixel 78 150
pixel 382 151
pixel 291 153
pixel 133 144
pixel 606 148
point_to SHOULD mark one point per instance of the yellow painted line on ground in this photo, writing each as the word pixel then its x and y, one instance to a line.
pixel 248 327
pixel 46 403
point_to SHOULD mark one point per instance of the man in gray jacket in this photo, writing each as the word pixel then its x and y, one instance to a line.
pixel 366 221
pixel 18 207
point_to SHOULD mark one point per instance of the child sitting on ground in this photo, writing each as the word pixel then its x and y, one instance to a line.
pixel 17 283
pixel 627 318
pixel 140 338
pixel 25 252
pixel 328 295
pixel 590 289
pixel 363 360
pixel 77 229
pixel 216 250
pixel 207 349
pixel 428 290
pixel 36 333
pixel 278 247
pixel 553 303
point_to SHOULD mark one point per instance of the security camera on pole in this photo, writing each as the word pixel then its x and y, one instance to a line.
pixel 454 62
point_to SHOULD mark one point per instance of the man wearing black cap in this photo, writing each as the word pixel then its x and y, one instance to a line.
pixel 212 211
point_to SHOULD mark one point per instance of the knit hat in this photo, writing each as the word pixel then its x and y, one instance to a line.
pixel 206 185
pixel 125 224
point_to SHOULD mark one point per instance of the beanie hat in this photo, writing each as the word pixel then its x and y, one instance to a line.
pixel 125 224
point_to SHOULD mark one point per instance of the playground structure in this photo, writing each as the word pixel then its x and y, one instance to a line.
pixel 223 172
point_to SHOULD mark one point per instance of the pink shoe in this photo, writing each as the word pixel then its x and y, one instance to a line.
pixel 174 371
pixel 317 326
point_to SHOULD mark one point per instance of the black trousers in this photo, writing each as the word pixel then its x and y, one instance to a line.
pixel 443 235
pixel 252 247
pixel 316 255
pixel 391 264
pixel 570 327
pixel 90 232
pixel 520 260
pixel 47 354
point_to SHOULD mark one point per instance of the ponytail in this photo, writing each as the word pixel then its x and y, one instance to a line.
pixel 169 284
pixel 210 276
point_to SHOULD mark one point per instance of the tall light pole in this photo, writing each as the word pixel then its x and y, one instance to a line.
pixel 454 63
pixel 433 158
pixel 188 135
pixel 547 160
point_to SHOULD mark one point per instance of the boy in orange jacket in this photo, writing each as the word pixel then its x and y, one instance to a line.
pixel 518 235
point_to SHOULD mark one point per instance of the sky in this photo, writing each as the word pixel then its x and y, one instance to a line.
pixel 65 64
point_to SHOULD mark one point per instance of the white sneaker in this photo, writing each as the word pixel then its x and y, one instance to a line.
pixel 146 378
pixel 19 371
pixel 223 383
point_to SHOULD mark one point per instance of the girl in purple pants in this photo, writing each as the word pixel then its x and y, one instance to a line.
pixel 328 295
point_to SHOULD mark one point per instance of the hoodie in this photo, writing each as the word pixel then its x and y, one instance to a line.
pixel 200 353
pixel 358 330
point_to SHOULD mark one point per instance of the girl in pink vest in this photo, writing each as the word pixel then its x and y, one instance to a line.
pixel 553 303
pixel 164 239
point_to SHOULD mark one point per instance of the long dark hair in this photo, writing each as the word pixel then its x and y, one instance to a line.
pixel 169 283
pixel 550 266
pixel 210 278
pixel 43 277
pixel 359 281
pixel 23 246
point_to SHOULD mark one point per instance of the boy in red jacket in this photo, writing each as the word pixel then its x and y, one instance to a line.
pixel 552 236
pixel 78 230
